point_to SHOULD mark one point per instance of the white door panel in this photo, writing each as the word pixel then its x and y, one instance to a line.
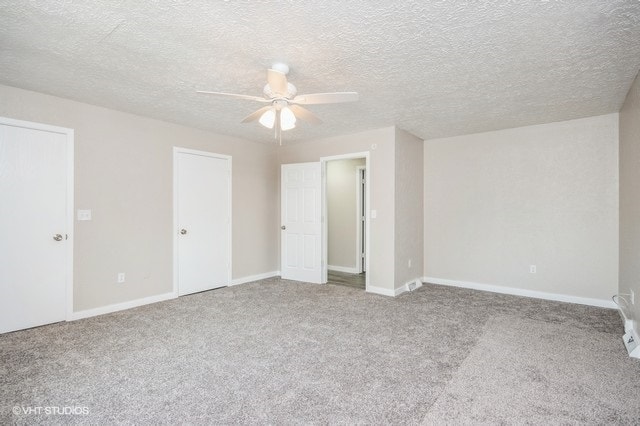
pixel 33 187
pixel 204 222
pixel 301 219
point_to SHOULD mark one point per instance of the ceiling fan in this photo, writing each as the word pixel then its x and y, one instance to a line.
pixel 283 107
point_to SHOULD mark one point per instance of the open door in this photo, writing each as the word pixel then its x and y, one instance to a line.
pixel 301 226
pixel 36 224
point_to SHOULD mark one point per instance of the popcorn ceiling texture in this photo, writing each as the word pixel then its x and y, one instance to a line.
pixel 435 69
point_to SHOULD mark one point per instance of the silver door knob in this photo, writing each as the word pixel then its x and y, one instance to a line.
pixel 283 227
pixel 183 231
pixel 57 237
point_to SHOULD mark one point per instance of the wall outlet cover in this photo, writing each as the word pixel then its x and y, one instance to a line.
pixel 84 214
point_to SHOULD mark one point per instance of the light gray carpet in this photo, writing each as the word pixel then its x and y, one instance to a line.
pixel 528 371
pixel 283 352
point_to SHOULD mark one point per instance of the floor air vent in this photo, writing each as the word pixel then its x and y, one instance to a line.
pixel 414 285
pixel 631 343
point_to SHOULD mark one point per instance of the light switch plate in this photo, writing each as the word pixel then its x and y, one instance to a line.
pixel 84 214
pixel 374 214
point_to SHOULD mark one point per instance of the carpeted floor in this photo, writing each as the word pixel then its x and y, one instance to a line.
pixel 283 352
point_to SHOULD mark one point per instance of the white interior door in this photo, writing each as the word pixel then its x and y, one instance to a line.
pixel 301 222
pixel 203 220
pixel 34 225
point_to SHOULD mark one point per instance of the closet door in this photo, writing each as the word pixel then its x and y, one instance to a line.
pixel 203 220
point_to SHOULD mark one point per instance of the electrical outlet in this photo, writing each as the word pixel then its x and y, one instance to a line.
pixel 632 297
pixel 409 263
pixel 121 277
pixel 532 269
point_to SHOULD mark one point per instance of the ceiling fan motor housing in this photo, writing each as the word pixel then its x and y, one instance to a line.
pixel 291 92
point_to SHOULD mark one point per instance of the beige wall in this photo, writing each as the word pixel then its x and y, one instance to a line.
pixel 382 170
pixel 547 195
pixel 494 203
pixel 630 198
pixel 409 206
pixel 123 173
pixel 342 208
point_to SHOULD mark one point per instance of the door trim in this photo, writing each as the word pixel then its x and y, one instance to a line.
pixel 325 247
pixel 69 135
pixel 359 215
pixel 179 150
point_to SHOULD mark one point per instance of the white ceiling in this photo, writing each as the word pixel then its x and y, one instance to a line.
pixel 434 68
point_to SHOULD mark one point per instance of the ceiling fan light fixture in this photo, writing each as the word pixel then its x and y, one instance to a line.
pixel 268 119
pixel 283 104
pixel 287 119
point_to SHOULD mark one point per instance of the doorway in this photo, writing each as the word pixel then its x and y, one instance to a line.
pixel 202 221
pixel 346 230
pixel 36 224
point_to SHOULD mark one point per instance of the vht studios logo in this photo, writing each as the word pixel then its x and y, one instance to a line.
pixel 51 411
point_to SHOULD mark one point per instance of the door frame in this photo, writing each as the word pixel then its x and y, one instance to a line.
pixel 179 150
pixel 359 214
pixel 69 135
pixel 325 233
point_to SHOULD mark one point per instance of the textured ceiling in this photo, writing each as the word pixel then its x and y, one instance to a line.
pixel 434 68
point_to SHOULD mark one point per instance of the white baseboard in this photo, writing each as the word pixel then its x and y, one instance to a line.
pixel 416 282
pixel 395 292
pixel 399 290
pixel 121 306
pixel 347 269
pixel 154 299
pixel 628 322
pixel 252 278
pixel 381 290
pixel 602 303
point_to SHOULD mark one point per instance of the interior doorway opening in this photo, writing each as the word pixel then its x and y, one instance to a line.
pixel 345 224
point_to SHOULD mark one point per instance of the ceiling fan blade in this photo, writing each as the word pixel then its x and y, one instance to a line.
pixel 256 114
pixel 325 98
pixel 305 114
pixel 278 82
pixel 234 95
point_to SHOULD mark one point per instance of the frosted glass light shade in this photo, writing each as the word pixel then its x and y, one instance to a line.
pixel 268 119
pixel 287 119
